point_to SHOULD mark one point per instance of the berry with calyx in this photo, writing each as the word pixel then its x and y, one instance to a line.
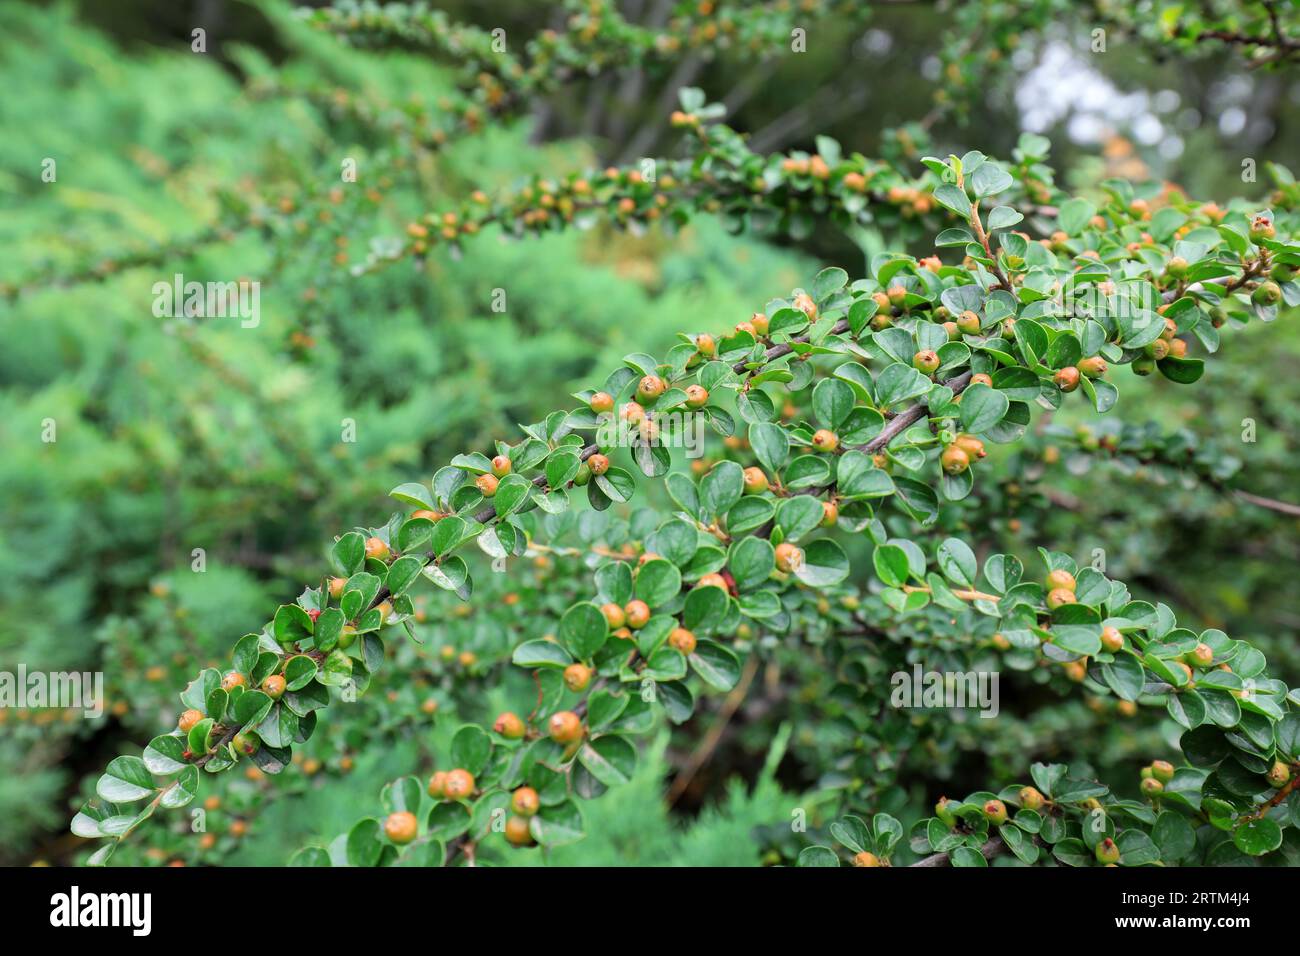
pixel 517 831
pixel 486 485
pixel 950 329
pixel 760 323
pixel 1151 786
pixel 1067 379
pixel 401 827
pixel 830 514
pixel 376 548
pixel 438 785
pixel 1162 770
pixel 1158 349
pixel 637 613
pixel 632 412
pixel 969 323
pixel 1060 578
pixel 458 785
pixel 246 743
pixel 866 858
pixel 755 481
pixel 980 378
pixel 1112 639
pixel 1093 367
pixel 501 466
pixel 1177 267
pixel 649 389
pixel 1077 671
pixel 697 396
pixel 825 440
pixel 1178 348
pixel 565 727
pixel 995 812
pixel 614 615
pixel 188 719
pixel 525 802
pixel 1143 365
pixel 1202 655
pixel 424 513
pixel 601 403
pixel 1059 597
pixel 954 460
pixel 337 585
pixel 926 361
pixel 232 680
pixel 897 295
pixel 598 464
pixel 945 815
pixel 1031 799
pixel 705 345
pixel 1279 773
pixel 788 557
pixel 273 687
pixel 805 304
pixel 682 640
pixel 972 446
pixel 1267 293
pixel 713 580
pixel 577 677
pixel 509 726
pixel 1107 851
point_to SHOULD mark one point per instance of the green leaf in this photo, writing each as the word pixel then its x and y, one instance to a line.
pixel 891 565
pixel 957 562
pixel 818 856
pixel 471 749
pixel 717 666
pixel 125 780
pixel 541 653
pixel 609 758
pixel 752 562
pixel 583 629
pixel 771 445
pixel 657 582
pixel 1257 837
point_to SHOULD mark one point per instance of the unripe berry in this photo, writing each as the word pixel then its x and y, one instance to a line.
pixel 972 446
pixel 517 831
pixel 501 466
pixel 188 719
pixel 1107 851
pixel 945 815
pixel 438 785
pixel 1178 348
pixel 705 345
pixel 1202 655
pixel 1060 578
pixel 788 557
pixel 954 460
pixel 487 485
pixel 273 687
pixel 649 389
pixel 926 361
pixel 805 304
pixel 682 640
pixel 1093 367
pixel 1067 379
pixel 232 680
pixel 760 323
pixel 632 412
pixel 995 811
pixel 1267 293
pixel 565 727
pixel 1158 349
pixel 598 464
pixel 1151 786
pixel 376 548
pixel 525 802
pixel 713 580
pixel 601 403
pixel 423 513
pixel 401 827
pixel 1112 639
pixel 830 514
pixel 980 378
pixel 1059 597
pixel 577 677
pixel 638 614
pixel 865 859
pixel 614 615
pixel 825 440
pixel 969 323
pixel 347 636
pixel 509 726
pixel 697 396
pixel 1177 267
pixel 1162 770
pixel 1143 365
pixel 1031 799
pixel 459 784
pixel 337 585
pixel 755 481
pixel 897 295
pixel 246 743
pixel 1279 774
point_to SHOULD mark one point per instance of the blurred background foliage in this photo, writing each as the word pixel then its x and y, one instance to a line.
pixel 173 436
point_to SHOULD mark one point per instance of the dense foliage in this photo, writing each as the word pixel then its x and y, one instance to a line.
pixel 531 617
